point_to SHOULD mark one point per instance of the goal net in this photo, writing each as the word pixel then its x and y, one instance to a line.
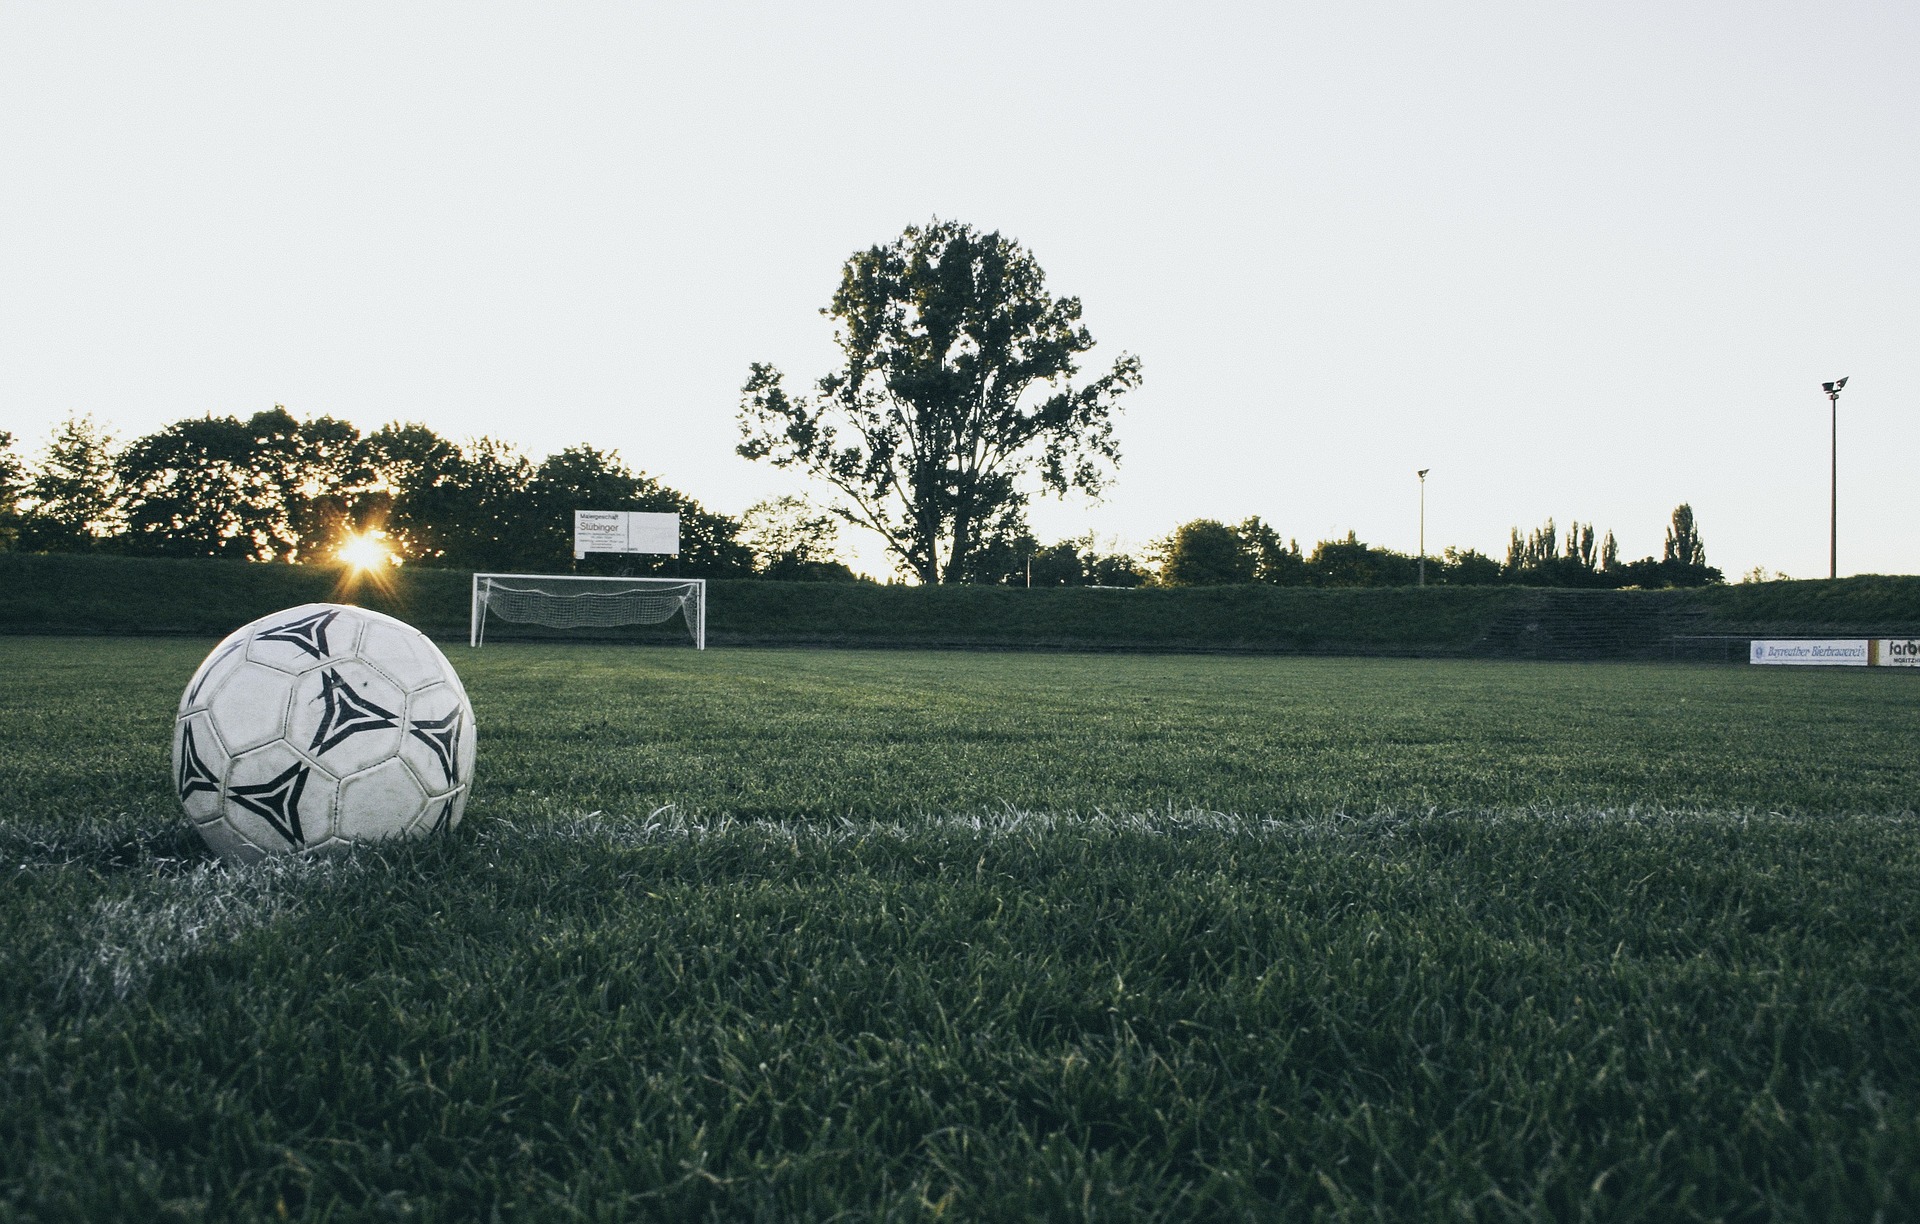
pixel 565 601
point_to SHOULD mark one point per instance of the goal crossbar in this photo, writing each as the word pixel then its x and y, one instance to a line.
pixel 574 601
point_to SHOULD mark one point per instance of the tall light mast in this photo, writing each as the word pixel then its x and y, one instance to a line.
pixel 1833 498
pixel 1423 525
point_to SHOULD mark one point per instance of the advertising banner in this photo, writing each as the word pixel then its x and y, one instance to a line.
pixel 599 531
pixel 1896 652
pixel 1805 652
pixel 624 531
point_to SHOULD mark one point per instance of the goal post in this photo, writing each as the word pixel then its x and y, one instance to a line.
pixel 572 601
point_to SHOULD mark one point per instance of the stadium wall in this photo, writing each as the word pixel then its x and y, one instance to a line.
pixel 132 595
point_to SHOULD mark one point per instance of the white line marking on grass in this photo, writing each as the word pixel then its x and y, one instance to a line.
pixel 668 823
pixel 124 940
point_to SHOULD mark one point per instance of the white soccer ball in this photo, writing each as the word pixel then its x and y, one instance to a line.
pixel 321 727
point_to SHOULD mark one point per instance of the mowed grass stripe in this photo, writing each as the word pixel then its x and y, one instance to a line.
pixel 818 734
pixel 1172 989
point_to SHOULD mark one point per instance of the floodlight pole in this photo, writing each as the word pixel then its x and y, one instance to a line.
pixel 1423 525
pixel 1833 489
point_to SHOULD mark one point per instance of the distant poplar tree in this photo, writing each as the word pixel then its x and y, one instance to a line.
pixel 1684 545
pixel 1538 550
pixel 1581 547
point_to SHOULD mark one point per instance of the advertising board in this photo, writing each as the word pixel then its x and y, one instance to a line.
pixel 1896 652
pixel 624 531
pixel 1806 652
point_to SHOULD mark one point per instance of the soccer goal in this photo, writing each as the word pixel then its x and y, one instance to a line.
pixel 566 601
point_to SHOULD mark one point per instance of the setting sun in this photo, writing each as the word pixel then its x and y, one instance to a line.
pixel 364 552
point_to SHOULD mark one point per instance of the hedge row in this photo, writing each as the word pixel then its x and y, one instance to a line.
pixel 111 594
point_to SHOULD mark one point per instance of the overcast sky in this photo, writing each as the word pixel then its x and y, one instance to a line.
pixel 1585 261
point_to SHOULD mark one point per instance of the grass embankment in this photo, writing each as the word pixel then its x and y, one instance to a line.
pixel 1239 618
pixel 101 594
pixel 988 936
pixel 66 593
pixel 1869 605
pixel 104 594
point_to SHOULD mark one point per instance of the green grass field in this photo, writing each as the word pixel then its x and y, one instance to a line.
pixel 780 934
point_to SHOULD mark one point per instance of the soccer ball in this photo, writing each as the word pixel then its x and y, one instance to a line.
pixel 321 727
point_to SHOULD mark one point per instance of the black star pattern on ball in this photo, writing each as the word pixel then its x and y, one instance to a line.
pixel 347 713
pixel 443 815
pixel 309 633
pixel 441 735
pixel 277 800
pixel 194 774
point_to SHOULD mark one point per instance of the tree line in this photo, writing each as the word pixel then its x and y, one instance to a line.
pixel 1207 552
pixel 958 400
pixel 272 487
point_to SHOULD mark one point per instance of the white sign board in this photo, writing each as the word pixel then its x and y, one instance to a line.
pixel 1807 652
pixel 624 531
pixel 1897 652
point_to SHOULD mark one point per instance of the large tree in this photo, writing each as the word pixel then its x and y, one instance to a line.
pixel 271 487
pixel 956 397
pixel 1276 561
pixel 793 540
pixel 328 486
pixel 13 482
pixel 465 506
pixel 72 496
pixel 1205 552
pixel 410 462
pixel 202 488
